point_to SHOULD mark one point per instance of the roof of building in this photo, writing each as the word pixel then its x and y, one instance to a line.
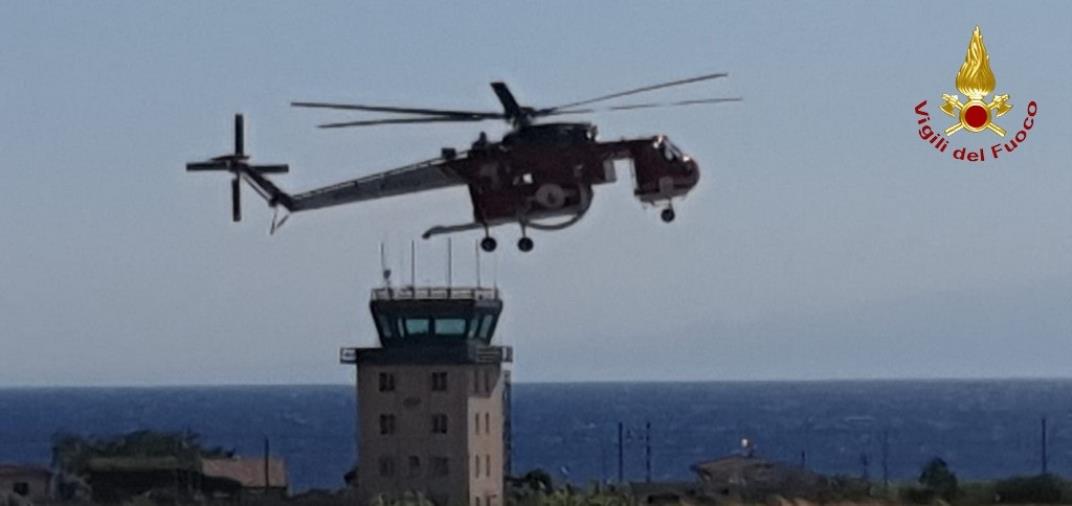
pixel 742 473
pixel 138 464
pixel 23 470
pixel 248 472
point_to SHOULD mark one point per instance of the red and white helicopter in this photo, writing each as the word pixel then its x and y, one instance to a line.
pixel 537 172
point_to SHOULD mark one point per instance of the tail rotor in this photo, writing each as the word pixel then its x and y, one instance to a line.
pixel 237 163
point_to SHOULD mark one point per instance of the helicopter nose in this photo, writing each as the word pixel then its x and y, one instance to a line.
pixel 692 174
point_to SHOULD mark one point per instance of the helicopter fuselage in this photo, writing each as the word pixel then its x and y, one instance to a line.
pixel 549 170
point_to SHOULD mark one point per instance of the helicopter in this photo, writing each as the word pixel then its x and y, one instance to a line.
pixel 538 175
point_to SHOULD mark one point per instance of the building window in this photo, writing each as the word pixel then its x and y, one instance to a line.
pixel 439 423
pixel 485 326
pixel 476 465
pixel 476 423
pixel 387 466
pixel 418 326
pixel 414 466
pixel 487 465
pixel 385 326
pixel 450 326
pixel 439 381
pixel 387 424
pixel 440 466
pixel 476 501
pixel 21 488
pixel 387 382
pixel 487 422
pixel 487 381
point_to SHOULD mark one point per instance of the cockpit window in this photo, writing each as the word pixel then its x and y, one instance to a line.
pixel 670 151
pixel 669 155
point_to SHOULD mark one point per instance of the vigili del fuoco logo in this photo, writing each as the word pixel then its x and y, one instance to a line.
pixel 976 115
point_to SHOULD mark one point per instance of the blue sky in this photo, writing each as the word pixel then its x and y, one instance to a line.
pixel 825 240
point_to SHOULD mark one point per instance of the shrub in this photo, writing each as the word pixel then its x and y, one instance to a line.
pixel 937 478
pixel 1043 488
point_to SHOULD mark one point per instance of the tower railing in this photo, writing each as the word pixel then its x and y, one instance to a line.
pixel 434 293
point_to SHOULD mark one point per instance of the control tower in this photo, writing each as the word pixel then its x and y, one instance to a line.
pixel 434 397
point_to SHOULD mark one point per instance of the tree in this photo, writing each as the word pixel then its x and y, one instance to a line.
pixel 938 479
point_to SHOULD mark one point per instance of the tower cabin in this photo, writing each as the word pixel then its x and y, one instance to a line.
pixel 433 398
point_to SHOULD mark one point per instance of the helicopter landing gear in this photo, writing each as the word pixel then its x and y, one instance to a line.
pixel 525 244
pixel 668 215
pixel 488 243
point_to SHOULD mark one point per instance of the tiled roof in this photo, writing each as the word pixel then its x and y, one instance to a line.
pixel 248 472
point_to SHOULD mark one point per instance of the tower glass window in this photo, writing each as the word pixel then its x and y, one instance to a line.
pixel 450 326
pixel 404 319
pixel 418 326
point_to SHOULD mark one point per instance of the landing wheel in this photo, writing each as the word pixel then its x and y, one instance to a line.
pixel 525 244
pixel 668 215
pixel 488 244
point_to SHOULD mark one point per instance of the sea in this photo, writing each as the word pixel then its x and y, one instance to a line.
pixel 873 429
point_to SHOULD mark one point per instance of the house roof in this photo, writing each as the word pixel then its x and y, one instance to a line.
pixel 747 471
pixel 727 463
pixel 248 472
pixel 138 464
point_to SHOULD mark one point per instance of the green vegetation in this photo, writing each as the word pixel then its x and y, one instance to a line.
pixel 936 481
pixel 938 484
pixel 72 453
pixel 571 496
pixel 1039 489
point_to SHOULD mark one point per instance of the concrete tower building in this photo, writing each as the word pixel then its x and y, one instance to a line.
pixel 434 398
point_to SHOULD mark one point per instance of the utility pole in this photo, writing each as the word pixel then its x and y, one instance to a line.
pixel 885 459
pixel 647 452
pixel 602 461
pixel 267 452
pixel 621 455
pixel 1045 459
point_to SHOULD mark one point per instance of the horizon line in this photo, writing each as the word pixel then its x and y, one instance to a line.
pixel 935 379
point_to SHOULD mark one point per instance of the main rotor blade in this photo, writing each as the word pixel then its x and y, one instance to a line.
pixel 643 89
pixel 402 110
pixel 398 121
pixel 630 107
pixel 673 104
